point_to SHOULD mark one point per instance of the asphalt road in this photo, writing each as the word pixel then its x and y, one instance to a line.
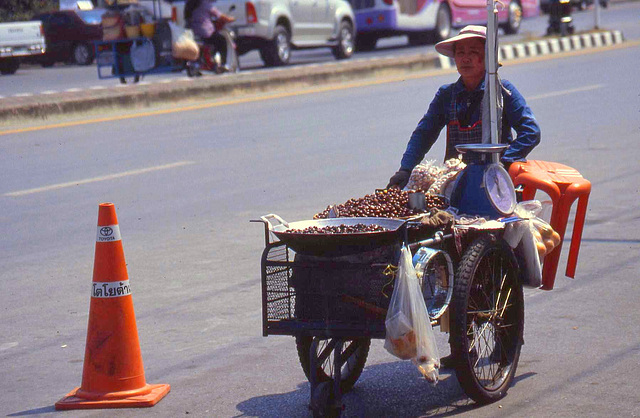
pixel 186 184
pixel 30 80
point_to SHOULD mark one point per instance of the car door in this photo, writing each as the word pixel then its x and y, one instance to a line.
pixel 302 13
pixel 58 33
pixel 326 16
pixel 312 24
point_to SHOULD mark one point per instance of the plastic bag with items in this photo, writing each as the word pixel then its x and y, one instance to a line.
pixel 546 239
pixel 409 333
pixel 183 44
pixel 532 239
pixel 143 55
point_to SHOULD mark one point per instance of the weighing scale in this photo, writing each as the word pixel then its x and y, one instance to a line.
pixel 484 187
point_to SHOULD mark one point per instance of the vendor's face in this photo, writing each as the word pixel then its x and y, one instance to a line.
pixel 469 58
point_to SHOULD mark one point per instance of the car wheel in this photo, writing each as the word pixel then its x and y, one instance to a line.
pixel 82 54
pixel 344 48
pixel 366 42
pixel 443 23
pixel 514 19
pixel 277 52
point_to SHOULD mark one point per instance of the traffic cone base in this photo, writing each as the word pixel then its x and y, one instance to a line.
pixel 115 399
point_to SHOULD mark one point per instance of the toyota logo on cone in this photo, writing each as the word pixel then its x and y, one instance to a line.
pixel 106 231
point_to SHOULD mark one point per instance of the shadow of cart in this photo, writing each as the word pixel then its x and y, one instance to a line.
pixel 393 389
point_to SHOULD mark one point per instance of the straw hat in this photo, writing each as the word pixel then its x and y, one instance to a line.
pixel 446 47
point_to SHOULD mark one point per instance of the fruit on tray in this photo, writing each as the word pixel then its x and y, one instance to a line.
pixel 339 229
pixel 388 203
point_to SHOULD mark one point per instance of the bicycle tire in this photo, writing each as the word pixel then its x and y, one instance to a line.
pixel 352 368
pixel 487 324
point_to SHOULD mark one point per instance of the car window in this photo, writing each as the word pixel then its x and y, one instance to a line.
pixel 60 20
pixel 91 17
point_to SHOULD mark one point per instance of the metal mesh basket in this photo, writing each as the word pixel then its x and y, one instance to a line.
pixel 328 296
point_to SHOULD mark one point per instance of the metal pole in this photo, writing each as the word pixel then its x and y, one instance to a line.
pixel 597 14
pixel 492 73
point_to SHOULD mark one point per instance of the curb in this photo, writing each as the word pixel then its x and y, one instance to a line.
pixel 145 95
pixel 559 45
pixel 42 106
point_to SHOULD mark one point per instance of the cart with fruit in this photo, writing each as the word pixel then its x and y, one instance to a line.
pixel 328 281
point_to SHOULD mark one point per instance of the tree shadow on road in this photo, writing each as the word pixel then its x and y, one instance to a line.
pixel 393 389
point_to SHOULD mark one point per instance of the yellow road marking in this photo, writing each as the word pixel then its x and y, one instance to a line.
pixel 391 79
pixel 215 104
pixel 96 179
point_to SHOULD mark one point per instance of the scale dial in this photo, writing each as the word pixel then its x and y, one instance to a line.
pixel 500 190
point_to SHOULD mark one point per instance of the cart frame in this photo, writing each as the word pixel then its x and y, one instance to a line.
pixel 337 304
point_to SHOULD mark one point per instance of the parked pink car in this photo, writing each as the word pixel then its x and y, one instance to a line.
pixel 429 21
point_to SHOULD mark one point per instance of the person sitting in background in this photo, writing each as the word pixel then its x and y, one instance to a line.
pixel 203 18
pixel 458 106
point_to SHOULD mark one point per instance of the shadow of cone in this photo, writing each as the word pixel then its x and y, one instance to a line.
pixel 113 373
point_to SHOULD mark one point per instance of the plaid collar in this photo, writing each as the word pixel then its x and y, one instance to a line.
pixel 458 86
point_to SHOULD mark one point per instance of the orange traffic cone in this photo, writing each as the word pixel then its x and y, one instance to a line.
pixel 113 374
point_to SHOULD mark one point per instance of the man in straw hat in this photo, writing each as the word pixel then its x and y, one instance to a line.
pixel 458 106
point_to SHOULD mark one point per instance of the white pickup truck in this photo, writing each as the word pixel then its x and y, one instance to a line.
pixel 19 39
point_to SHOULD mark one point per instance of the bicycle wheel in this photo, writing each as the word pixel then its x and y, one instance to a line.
pixel 487 319
pixel 354 353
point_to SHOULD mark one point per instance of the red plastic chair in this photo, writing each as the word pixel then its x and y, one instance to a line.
pixel 564 185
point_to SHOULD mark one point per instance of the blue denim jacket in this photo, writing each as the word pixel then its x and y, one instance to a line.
pixel 516 114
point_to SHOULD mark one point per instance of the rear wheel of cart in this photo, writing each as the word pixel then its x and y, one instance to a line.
pixel 487 319
pixel 354 354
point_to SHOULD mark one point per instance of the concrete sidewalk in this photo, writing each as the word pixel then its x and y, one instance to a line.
pixel 140 95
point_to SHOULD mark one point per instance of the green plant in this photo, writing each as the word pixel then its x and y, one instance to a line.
pixel 18 10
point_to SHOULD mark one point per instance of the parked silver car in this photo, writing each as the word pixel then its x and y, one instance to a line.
pixel 276 27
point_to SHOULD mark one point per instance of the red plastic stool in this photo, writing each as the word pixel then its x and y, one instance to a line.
pixel 564 185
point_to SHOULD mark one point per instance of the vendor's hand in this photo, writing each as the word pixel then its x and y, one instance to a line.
pixel 437 218
pixel 399 180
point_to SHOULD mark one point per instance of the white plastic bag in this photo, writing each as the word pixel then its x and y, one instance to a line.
pixel 528 251
pixel 538 240
pixel 183 44
pixel 143 55
pixel 409 332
